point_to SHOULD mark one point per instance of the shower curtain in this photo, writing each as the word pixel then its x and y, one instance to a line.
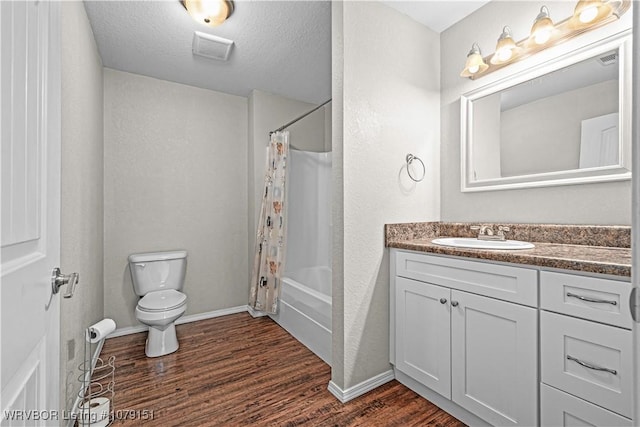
pixel 268 264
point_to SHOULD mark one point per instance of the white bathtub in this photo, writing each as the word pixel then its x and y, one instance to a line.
pixel 305 309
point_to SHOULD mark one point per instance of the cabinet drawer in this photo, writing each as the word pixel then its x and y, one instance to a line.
pixel 591 298
pixel 503 282
pixel 558 408
pixel 568 344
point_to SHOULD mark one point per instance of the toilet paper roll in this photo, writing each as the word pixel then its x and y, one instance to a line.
pixel 100 330
pixel 94 412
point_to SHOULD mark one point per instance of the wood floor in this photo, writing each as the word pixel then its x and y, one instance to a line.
pixel 237 371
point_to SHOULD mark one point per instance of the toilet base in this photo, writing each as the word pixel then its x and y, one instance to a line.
pixel 161 341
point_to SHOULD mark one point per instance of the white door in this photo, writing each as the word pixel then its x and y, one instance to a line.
pixel 30 212
pixel 423 334
pixel 494 359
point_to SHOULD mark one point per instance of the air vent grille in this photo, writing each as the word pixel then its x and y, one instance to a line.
pixel 212 47
pixel 608 59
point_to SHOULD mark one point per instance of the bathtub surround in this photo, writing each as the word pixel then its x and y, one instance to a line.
pixel 305 302
pixel 175 178
pixel 601 203
pixel 271 238
pixel 375 125
pixel 81 242
pixel 268 112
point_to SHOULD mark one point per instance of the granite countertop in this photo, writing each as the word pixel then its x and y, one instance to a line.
pixel 607 250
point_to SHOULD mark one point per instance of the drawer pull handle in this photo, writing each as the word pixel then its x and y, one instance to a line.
pixel 599 301
pixel 589 366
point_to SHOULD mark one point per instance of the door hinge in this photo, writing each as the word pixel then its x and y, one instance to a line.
pixel 634 303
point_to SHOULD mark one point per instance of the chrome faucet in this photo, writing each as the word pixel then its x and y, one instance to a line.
pixel 485 232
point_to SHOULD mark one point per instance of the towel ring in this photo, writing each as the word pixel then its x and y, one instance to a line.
pixel 410 158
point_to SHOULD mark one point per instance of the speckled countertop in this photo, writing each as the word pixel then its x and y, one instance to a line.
pixel 594 249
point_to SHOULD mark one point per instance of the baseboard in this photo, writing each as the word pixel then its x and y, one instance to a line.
pixel 255 313
pixel 184 319
pixel 361 388
pixel 87 377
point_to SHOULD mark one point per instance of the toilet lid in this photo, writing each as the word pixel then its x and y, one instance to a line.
pixel 162 300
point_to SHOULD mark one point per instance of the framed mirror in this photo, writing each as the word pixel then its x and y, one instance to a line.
pixel 567 121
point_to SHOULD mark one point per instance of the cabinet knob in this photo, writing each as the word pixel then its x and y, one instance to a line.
pixel 443 300
pixel 454 303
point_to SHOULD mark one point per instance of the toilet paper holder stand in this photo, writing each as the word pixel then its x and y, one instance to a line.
pixel 97 379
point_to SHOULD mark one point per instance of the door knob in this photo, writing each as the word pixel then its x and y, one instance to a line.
pixel 58 280
pixel 443 300
pixel 454 303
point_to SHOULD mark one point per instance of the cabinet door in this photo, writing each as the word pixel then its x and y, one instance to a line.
pixel 558 408
pixel 423 334
pixel 494 366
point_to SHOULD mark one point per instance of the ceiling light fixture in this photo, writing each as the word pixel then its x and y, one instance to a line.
pixel 542 27
pixel 209 12
pixel 588 15
pixel 506 48
pixel 475 64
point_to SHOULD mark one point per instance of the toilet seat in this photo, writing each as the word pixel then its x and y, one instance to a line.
pixel 157 301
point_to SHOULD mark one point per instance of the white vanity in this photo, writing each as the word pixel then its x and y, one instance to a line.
pixel 506 344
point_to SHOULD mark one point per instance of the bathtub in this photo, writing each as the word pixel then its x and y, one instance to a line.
pixel 305 309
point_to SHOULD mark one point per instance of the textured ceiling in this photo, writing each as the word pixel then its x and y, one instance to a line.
pixel 437 14
pixel 282 47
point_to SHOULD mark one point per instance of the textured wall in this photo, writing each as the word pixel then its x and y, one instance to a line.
pixel 604 203
pixel 175 178
pixel 268 112
pixel 81 190
pixel 390 107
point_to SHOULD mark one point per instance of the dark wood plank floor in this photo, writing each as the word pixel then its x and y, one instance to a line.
pixel 236 370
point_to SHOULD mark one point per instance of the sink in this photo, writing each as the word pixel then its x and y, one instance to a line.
pixel 464 242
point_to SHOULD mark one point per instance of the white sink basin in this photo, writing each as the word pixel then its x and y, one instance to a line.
pixel 464 242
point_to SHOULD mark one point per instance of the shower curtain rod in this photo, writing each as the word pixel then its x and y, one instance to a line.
pixel 281 128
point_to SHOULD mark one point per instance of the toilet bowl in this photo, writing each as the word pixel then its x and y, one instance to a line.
pixel 158 278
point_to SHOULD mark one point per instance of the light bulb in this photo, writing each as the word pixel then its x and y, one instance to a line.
pixel 542 36
pixel 474 69
pixel 504 54
pixel 588 15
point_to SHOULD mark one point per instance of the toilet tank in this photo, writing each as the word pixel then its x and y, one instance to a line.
pixel 156 271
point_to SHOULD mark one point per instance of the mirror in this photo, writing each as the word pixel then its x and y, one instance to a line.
pixel 565 122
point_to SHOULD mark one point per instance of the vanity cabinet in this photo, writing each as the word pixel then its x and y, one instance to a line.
pixel 473 337
pixel 480 352
pixel 586 364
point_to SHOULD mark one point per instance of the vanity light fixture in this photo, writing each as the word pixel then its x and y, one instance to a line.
pixel 475 64
pixel 588 15
pixel 209 12
pixel 506 49
pixel 542 27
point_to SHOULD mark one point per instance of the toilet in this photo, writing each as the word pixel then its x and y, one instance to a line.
pixel 158 278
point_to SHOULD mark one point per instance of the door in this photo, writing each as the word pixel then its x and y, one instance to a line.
pixel 494 364
pixel 423 334
pixel 30 212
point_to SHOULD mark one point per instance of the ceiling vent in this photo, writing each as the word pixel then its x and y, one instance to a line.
pixel 212 47
pixel 608 59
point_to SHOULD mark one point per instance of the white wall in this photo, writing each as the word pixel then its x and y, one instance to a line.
pixel 386 104
pixel 268 112
pixel 175 178
pixel 81 190
pixel 604 203
pixel 526 144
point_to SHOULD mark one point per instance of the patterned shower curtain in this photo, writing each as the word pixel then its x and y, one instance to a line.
pixel 271 237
